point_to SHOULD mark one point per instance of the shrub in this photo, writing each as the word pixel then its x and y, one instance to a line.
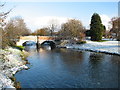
pixel 19 47
pixel 17 85
pixel 80 42
pixel 13 78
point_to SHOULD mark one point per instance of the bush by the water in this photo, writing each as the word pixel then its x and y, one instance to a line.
pixel 81 42
pixel 19 47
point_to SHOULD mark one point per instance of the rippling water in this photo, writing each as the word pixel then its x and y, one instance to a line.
pixel 63 68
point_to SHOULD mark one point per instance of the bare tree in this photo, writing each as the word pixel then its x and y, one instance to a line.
pixel 3 16
pixel 53 26
pixel 41 32
pixel 115 21
pixel 14 29
pixel 72 28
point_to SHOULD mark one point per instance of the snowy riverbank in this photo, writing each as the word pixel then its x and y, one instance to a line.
pixel 112 47
pixel 10 62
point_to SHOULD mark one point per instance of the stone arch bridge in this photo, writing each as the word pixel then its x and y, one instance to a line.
pixel 41 39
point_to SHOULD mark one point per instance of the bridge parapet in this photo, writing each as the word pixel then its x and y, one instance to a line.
pixel 29 38
pixel 46 38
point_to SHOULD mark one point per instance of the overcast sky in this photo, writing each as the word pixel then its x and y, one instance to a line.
pixel 40 14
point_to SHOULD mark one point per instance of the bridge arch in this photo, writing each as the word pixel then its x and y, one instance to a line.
pixel 28 43
pixel 48 42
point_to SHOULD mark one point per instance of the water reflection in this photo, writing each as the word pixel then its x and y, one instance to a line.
pixel 72 61
pixel 46 47
pixel 34 48
pixel 30 48
pixel 64 68
pixel 95 59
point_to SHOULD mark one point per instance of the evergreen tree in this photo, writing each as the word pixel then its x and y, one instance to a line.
pixel 96 28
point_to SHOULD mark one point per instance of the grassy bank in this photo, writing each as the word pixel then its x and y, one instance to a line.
pixel 19 47
pixel 102 41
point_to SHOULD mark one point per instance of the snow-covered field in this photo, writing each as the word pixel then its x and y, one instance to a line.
pixel 10 62
pixel 112 47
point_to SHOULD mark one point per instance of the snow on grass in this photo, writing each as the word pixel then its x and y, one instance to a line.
pixel 10 62
pixel 112 47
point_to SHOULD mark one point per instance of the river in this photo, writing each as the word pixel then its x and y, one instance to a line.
pixel 67 68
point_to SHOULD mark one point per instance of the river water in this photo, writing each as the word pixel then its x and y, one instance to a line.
pixel 67 68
